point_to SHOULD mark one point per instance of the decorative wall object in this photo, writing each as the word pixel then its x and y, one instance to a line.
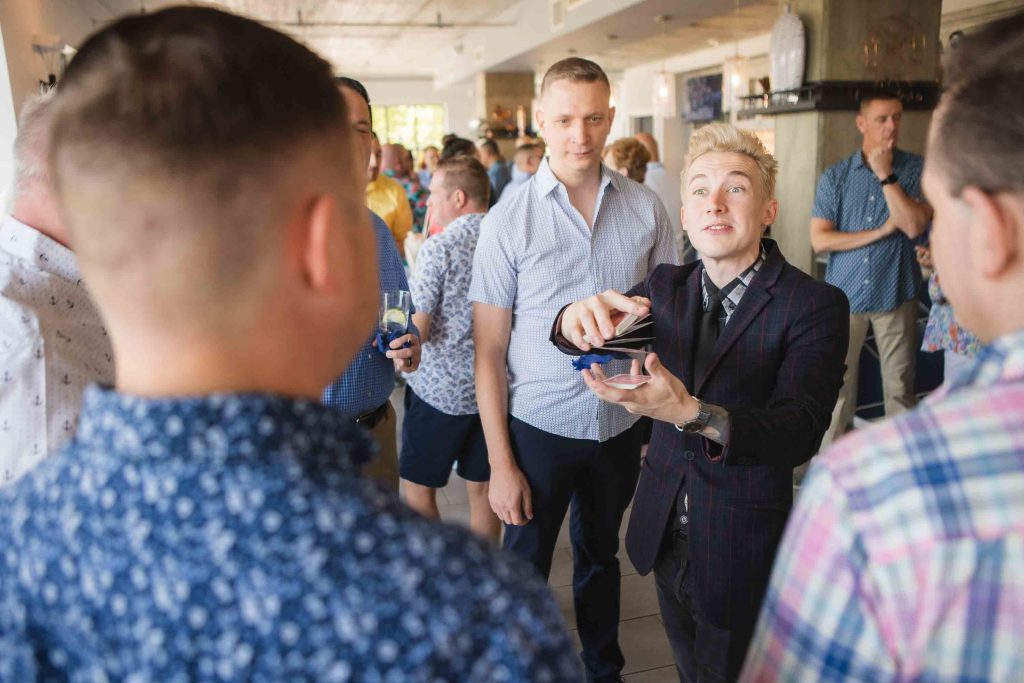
pixel 788 52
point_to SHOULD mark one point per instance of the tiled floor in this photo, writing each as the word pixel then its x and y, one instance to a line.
pixel 641 635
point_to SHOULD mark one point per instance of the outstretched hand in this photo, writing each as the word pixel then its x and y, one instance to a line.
pixel 664 398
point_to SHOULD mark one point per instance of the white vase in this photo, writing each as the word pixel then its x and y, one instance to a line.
pixel 787 52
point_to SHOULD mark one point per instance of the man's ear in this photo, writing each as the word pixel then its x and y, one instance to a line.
pixel 995 227
pixel 316 231
pixel 682 217
pixel 460 198
pixel 539 118
pixel 771 210
pixel 861 123
pixel 611 115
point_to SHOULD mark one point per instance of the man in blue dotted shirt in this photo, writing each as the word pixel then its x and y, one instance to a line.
pixel 208 522
pixel 867 209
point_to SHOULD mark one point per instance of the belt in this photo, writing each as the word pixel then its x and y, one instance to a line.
pixel 372 418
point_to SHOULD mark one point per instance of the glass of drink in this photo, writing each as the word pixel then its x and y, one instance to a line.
pixel 394 313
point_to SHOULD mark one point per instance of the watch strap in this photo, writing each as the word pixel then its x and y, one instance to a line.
pixel 889 180
pixel 699 422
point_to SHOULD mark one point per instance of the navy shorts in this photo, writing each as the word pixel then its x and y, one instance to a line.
pixel 433 441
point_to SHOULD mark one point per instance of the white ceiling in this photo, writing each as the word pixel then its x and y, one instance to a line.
pixel 379 38
pixel 404 38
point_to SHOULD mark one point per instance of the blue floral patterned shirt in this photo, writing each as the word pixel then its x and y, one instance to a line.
pixel 440 287
pixel 229 538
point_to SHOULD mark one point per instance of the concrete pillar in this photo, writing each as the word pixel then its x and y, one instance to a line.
pixel 505 92
pixel 882 41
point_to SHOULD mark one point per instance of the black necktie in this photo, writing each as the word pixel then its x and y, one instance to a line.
pixel 707 335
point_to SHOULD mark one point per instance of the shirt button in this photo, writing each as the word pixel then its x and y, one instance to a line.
pixel 871 198
pixel 683 520
pixel 688 455
pixel 867 282
pixel 865 259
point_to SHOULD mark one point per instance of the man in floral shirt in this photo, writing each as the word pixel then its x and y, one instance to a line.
pixel 208 521
pixel 442 421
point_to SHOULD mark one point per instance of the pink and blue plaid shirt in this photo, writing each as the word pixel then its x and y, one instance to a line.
pixel 904 557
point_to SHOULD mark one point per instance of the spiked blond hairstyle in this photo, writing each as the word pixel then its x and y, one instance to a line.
pixel 721 137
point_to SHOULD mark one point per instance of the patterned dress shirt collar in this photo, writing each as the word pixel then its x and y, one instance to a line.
pixel 734 289
pixel 30 245
pixel 547 182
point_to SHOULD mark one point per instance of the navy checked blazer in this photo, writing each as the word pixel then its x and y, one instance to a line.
pixel 777 368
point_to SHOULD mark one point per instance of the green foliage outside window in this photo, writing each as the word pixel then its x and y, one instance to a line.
pixel 413 126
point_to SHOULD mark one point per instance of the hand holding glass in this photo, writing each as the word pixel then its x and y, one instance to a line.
pixel 394 313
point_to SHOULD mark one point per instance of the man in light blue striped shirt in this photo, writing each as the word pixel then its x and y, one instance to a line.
pixel 571 231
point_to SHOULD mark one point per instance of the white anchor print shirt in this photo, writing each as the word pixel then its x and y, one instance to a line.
pixel 52 344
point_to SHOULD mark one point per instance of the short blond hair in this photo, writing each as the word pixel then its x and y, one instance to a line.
pixel 722 137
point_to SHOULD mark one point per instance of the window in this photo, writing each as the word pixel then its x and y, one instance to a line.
pixel 413 126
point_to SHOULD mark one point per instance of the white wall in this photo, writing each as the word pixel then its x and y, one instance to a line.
pixel 20 20
pixel 8 127
pixel 21 68
pixel 634 93
pixel 459 99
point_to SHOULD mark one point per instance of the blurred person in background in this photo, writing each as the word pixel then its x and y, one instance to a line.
pixel 497 169
pixel 628 157
pixel 52 340
pixel 666 186
pixel 525 164
pixel 442 427
pixel 428 162
pixel 386 197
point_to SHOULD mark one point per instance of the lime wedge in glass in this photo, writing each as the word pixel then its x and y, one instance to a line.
pixel 395 318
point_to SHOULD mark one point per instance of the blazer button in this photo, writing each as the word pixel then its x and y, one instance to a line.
pixel 688 455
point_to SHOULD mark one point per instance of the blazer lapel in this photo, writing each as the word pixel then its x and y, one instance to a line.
pixel 753 302
pixel 688 305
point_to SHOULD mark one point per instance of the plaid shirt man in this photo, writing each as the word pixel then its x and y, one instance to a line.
pixel 903 558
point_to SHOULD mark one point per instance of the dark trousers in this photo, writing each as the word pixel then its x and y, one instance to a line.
pixel 701 651
pixel 598 479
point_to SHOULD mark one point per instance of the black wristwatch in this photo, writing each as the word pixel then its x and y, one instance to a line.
pixel 889 180
pixel 698 423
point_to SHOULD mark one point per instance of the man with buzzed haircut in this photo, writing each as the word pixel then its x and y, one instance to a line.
pixel 208 522
pixel 573 229
pixel 867 209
